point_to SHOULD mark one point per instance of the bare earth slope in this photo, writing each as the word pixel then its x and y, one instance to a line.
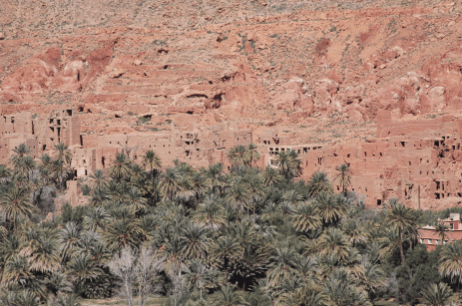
pixel 319 70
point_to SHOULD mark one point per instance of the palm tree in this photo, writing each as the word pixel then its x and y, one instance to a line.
pixel 121 167
pixel 341 290
pixel 281 266
pixel 331 207
pixel 334 242
pixel 69 237
pixel 271 176
pixel 98 178
pixel 344 177
pixel 237 155
pixel 288 163
pixel 306 295
pixel 437 295
pixel 319 183
pixel 214 176
pixel 19 153
pixel 210 214
pixel 354 232
pixel 451 261
pixel 96 219
pixel 5 174
pixel 154 162
pixel 121 233
pixel 42 252
pixel 81 268
pixel 400 218
pixel 227 296
pixel 63 158
pixel 442 230
pixel 306 217
pixel 195 242
pixel 224 251
pixel 15 202
pixel 27 298
pixel 238 195
pixel 170 183
pixel 251 155
pixel 66 300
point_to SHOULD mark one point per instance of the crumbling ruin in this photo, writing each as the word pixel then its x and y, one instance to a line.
pixel 415 161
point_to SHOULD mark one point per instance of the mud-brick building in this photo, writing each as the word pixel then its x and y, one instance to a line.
pixel 39 134
pixel 429 236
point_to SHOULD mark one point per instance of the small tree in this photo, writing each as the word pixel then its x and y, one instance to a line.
pixel 146 271
pixel 123 266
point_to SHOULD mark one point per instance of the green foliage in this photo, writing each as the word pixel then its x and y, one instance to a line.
pixel 209 236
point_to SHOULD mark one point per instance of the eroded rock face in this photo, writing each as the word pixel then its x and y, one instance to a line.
pixel 251 63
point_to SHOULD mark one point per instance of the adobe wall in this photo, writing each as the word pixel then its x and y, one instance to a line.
pixel 406 155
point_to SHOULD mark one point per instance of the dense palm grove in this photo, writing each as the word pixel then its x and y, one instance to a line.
pixel 206 237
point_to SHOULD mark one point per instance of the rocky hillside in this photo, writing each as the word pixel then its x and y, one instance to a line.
pixel 319 70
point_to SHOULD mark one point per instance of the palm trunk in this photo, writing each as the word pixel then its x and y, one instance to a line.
pixel 401 251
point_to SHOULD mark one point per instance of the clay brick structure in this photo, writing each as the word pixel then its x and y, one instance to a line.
pixel 416 161
pixel 429 236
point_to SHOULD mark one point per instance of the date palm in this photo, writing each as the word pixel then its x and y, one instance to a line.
pixel 334 242
pixel 27 298
pixel 271 176
pixel 281 266
pixel 96 219
pixel 210 214
pixel 354 232
pixel 306 217
pixel 170 184
pixel 5 174
pixel 224 251
pixel 288 163
pixel 121 167
pixel 331 207
pixel 341 290
pixel 214 177
pixel 238 195
pixel 14 203
pixel 69 237
pixel 98 179
pixel 63 159
pixel 343 176
pixel 450 262
pixel 437 295
pixel 237 155
pixel 121 233
pixel 98 197
pixel 307 295
pixel 152 160
pixel 319 183
pixel 195 242
pixel 82 268
pixel 401 219
pixel 227 296
pixel 41 251
pixel 442 230
pixel 251 155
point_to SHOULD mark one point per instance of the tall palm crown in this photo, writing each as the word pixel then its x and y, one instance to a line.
pixel 343 176
pixel 152 160
pixel 451 261
pixel 15 202
pixel 443 231
pixel 237 155
pixel 319 183
pixel 251 155
pixel 401 219
pixel 120 167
